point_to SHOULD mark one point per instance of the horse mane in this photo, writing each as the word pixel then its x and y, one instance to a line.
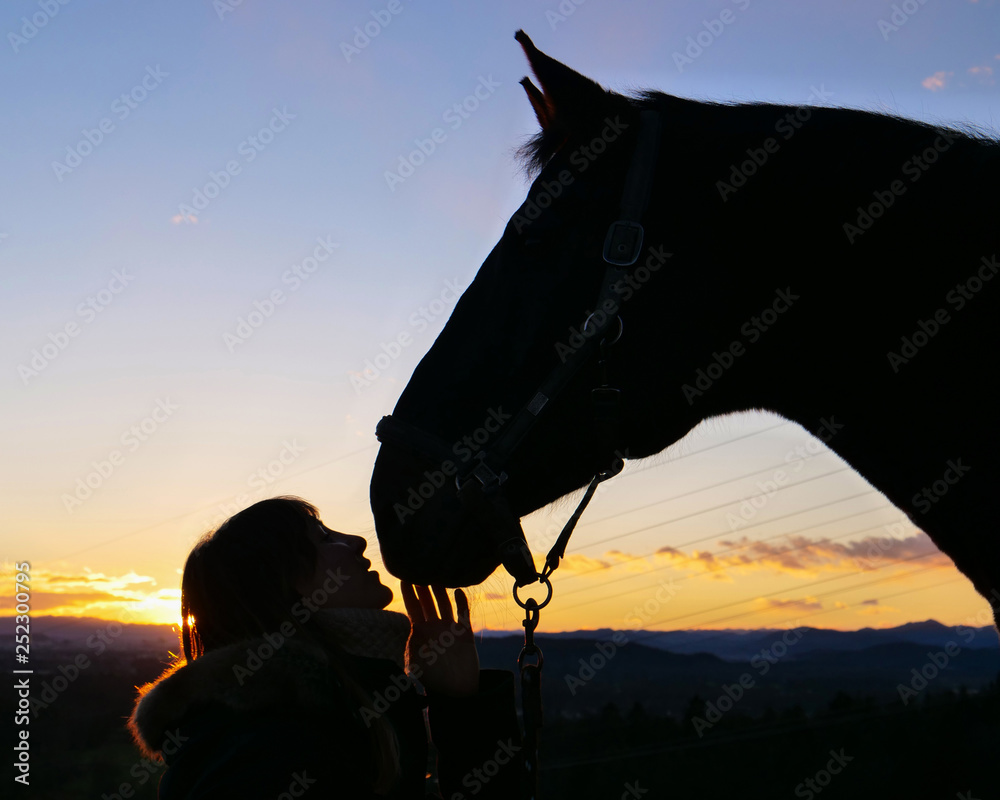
pixel 536 152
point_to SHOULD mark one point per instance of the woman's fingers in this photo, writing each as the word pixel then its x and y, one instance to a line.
pixel 413 608
pixel 420 607
pixel 444 602
pixel 427 603
pixel 462 605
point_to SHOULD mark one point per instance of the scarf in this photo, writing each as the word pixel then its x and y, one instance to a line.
pixel 369 632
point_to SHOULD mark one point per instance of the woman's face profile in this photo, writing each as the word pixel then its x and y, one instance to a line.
pixel 342 577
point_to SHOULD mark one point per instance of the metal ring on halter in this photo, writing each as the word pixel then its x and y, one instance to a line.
pixel 535 651
pixel 548 587
pixel 604 341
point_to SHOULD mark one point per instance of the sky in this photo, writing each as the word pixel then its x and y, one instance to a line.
pixel 215 233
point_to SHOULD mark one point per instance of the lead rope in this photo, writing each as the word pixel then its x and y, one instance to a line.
pixel 531 672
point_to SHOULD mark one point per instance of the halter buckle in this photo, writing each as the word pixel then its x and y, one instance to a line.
pixel 623 244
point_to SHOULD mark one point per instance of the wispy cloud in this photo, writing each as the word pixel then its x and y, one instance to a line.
pixel 937 81
pixel 871 608
pixel 983 73
pixel 97 594
pixel 800 555
pixel 776 604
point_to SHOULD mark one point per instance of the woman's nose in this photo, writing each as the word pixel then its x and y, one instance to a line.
pixel 358 543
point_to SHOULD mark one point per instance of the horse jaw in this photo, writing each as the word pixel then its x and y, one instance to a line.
pixel 426 540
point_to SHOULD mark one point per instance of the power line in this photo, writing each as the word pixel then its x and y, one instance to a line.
pixel 752 561
pixel 833 592
pixel 785 590
pixel 716 535
pixel 702 489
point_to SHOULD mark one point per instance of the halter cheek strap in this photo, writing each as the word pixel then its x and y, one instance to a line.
pixel 480 482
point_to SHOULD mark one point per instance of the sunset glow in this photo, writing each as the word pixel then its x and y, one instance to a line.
pixel 223 262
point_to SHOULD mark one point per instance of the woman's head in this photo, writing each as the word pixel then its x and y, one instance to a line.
pixel 271 563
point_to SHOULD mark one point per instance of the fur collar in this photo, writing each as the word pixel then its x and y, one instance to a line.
pixel 369 632
pixel 300 673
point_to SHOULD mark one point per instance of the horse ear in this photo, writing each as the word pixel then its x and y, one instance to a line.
pixel 543 113
pixel 566 95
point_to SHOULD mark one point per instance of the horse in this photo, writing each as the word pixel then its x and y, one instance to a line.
pixel 676 260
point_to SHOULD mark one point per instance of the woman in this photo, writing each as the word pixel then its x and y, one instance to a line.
pixel 293 676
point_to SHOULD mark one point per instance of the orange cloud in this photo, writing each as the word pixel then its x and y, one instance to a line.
pixel 874 608
pixel 578 562
pixel 774 604
pixel 94 594
pixel 937 81
pixel 67 602
pixel 800 555
pixel 984 73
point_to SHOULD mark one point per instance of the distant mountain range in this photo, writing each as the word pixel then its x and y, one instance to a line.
pixel 586 673
pixel 731 644
pixel 737 644
pixel 87 633
pixel 812 669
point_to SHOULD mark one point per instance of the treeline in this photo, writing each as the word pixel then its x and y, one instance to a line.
pixel 942 746
pixel 935 746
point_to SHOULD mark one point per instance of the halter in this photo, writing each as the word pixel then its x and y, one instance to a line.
pixel 480 484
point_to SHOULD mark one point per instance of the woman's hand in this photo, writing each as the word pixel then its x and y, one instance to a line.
pixel 441 653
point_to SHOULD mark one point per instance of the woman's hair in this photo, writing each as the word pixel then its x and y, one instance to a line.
pixel 239 583
pixel 239 580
